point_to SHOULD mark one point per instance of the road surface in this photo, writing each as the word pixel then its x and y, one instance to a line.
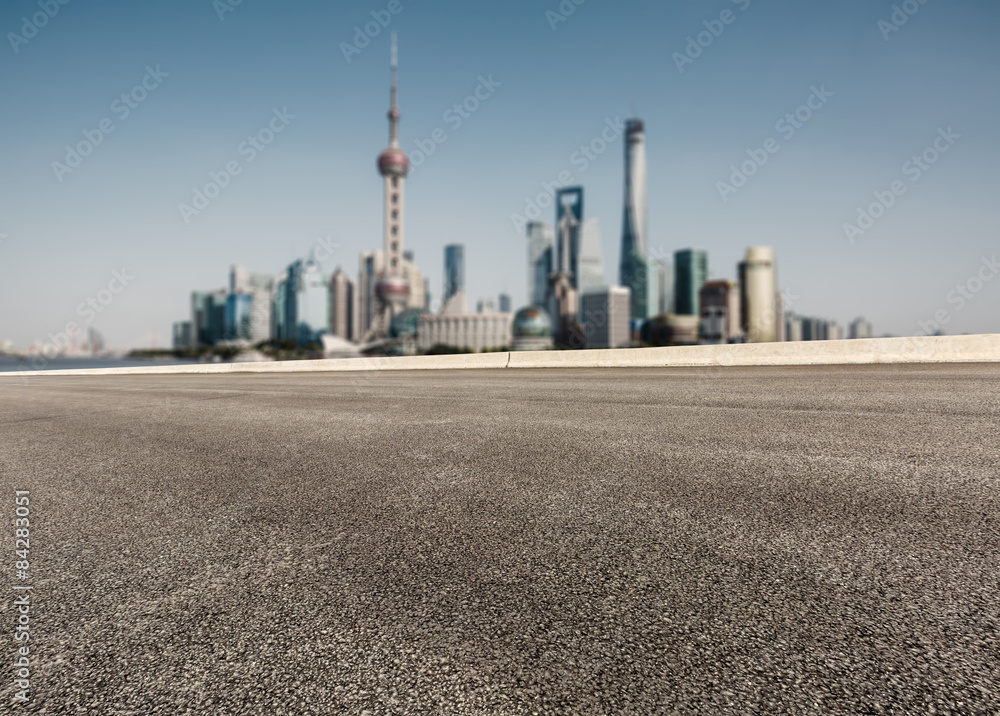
pixel 806 540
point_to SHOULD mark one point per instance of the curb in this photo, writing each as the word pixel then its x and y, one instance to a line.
pixel 925 349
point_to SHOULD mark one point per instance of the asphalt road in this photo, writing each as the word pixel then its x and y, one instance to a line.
pixel 808 540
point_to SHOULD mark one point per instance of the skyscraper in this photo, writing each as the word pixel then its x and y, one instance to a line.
pixel 392 287
pixel 454 270
pixel 541 261
pixel 504 303
pixel 634 268
pixel 607 317
pixel 860 328
pixel 664 287
pixel 306 303
pixel 690 274
pixel 208 317
pixel 343 302
pixel 260 289
pixel 581 259
pixel 590 264
pixel 720 312
pixel 759 293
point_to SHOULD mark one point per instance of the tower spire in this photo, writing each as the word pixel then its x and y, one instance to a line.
pixel 394 113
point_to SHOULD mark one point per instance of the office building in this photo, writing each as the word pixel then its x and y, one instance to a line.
pixel 183 335
pixel 541 261
pixel 860 328
pixel 343 310
pixel 635 269
pixel 454 270
pixel 239 312
pixel 793 327
pixel 259 287
pixel 690 274
pixel 208 316
pixel 665 287
pixel 759 289
pixel 606 314
pixel 476 332
pixel 720 313
pixel 504 303
pixel 306 303
pixel 671 330
pixel 578 253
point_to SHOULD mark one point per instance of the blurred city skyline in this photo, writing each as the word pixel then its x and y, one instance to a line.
pixel 718 86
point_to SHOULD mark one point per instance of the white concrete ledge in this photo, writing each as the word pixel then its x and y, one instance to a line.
pixel 928 349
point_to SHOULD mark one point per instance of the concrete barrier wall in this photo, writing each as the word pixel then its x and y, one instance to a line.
pixel 928 349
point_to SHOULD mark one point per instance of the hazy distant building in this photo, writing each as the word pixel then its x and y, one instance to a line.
pixel 239 312
pixel 835 332
pixel 476 332
pixel 635 269
pixel 454 270
pixel 504 303
pixel 343 299
pixel 583 258
pixel 606 314
pixel 257 327
pixel 720 312
pixel 486 305
pixel 671 330
pixel 183 335
pixel 208 316
pixel 664 287
pixel 759 294
pixel 860 328
pixel 690 274
pixel 541 261
pixel 793 327
pixel 306 303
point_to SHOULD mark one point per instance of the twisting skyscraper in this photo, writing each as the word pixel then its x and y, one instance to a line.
pixel 634 268
pixel 392 289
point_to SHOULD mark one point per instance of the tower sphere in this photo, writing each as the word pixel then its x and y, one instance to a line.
pixel 393 290
pixel 393 163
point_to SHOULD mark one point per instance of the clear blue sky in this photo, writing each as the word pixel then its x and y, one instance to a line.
pixel 119 207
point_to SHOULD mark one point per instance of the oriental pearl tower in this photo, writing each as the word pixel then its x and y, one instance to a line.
pixel 392 288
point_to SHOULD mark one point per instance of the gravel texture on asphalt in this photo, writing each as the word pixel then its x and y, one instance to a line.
pixel 800 540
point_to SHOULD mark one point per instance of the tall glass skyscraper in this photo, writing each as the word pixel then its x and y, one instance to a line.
pixel 690 274
pixel 454 270
pixel 635 270
pixel 541 262
pixel 239 307
pixel 580 255
pixel 307 303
